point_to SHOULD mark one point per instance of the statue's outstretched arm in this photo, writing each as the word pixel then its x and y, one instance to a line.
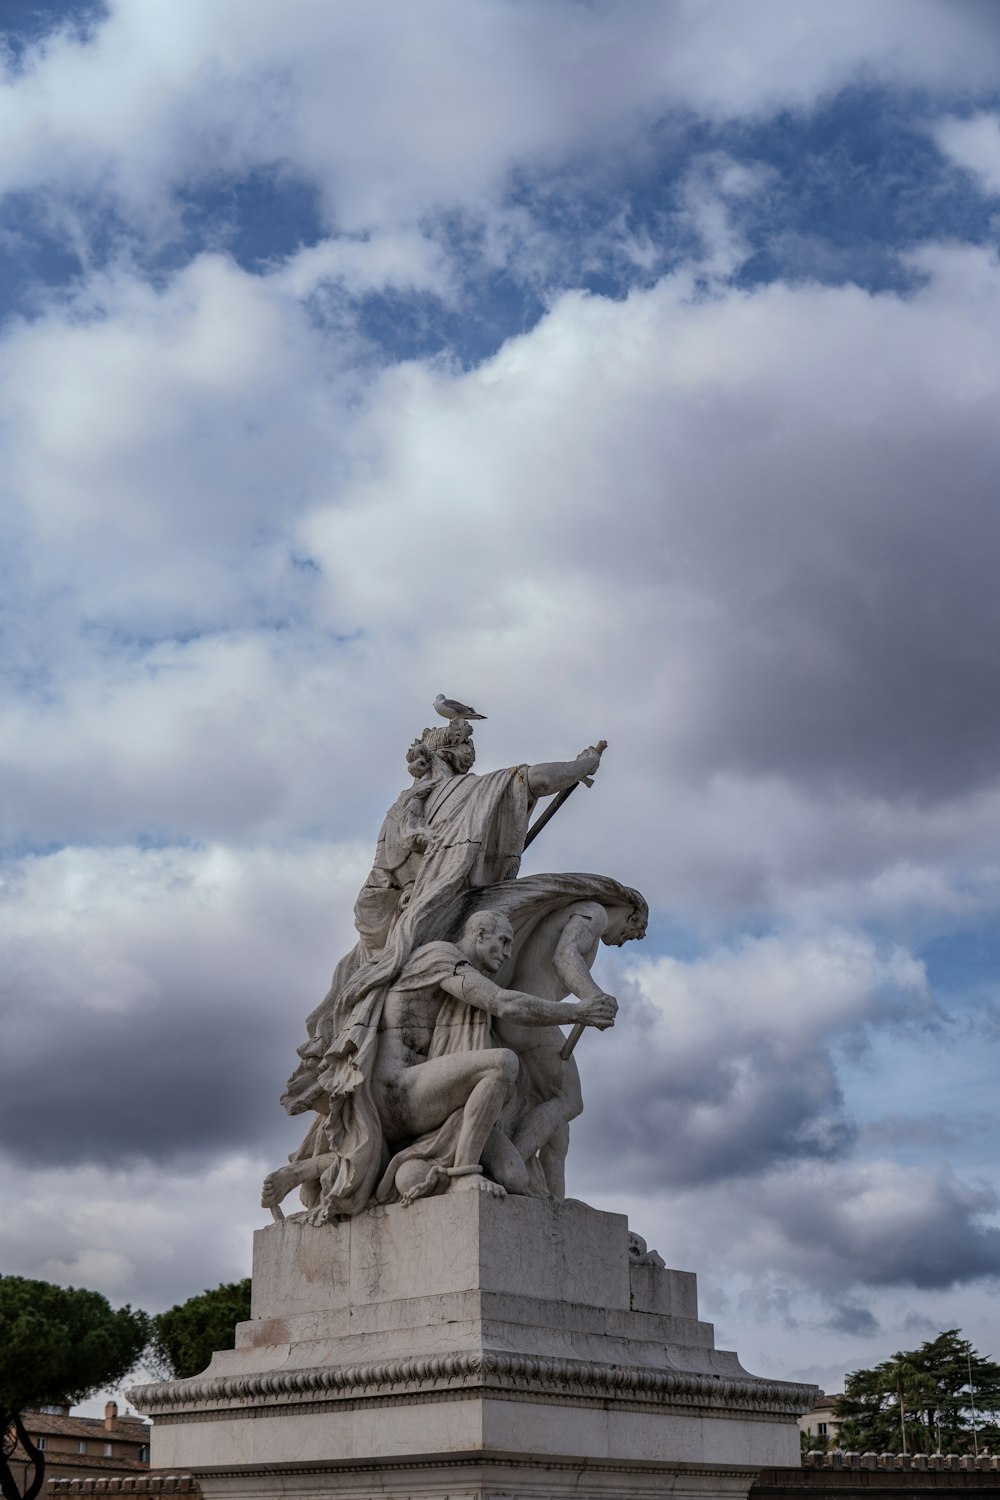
pixel 556 775
pixel 531 1010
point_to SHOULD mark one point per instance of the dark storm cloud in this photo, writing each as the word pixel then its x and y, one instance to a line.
pixel 852 1318
pixel 159 1023
pixel 885 1226
pixel 193 1076
pixel 869 660
pixel 682 1122
pixel 846 539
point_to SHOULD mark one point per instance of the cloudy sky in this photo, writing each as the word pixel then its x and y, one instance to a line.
pixel 630 370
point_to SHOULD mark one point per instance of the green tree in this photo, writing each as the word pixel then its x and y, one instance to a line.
pixel 186 1336
pixel 57 1345
pixel 942 1397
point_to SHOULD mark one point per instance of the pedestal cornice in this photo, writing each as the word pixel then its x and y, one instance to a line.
pixel 476 1371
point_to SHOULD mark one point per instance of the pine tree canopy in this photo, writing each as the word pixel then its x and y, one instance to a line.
pixel 60 1344
pixel 921 1401
pixel 186 1336
pixel 57 1345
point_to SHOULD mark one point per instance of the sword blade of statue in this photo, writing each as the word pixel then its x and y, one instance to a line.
pixel 548 814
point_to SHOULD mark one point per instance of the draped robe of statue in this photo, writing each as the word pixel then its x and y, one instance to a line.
pixel 478 825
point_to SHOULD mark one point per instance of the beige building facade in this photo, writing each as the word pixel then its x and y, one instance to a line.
pixel 109 1447
pixel 820 1423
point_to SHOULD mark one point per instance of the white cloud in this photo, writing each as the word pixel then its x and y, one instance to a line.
pixel 148 434
pixel 405 261
pixel 796 992
pixel 392 111
pixel 973 141
pixel 189 741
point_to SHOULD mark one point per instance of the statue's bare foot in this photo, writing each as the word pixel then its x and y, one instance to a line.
pixel 277 1185
pixel 477 1184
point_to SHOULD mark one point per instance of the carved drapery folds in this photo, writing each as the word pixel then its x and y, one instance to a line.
pixel 435 1062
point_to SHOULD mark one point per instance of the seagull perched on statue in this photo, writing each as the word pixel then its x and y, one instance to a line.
pixel 450 708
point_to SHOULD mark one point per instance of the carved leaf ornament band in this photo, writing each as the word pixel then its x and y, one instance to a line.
pixel 498 1370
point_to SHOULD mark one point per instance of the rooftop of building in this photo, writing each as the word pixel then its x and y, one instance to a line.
pixel 62 1424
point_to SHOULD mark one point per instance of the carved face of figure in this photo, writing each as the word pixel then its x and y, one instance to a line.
pixel 418 760
pixel 491 944
pixel 463 757
pixel 626 924
pixel 419 765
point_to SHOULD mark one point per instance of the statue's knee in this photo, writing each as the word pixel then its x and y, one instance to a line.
pixel 515 1176
pixel 507 1065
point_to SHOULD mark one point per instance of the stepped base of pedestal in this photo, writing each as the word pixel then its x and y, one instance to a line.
pixel 471 1346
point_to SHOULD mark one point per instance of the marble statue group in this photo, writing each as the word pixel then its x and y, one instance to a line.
pixel 437 1317
pixel 436 1061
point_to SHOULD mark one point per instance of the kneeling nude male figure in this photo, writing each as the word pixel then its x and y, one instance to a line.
pixel 435 1059
pixel 425 1070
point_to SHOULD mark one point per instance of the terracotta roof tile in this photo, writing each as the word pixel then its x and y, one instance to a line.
pixel 46 1424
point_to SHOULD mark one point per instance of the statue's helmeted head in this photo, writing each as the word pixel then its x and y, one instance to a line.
pixel 450 747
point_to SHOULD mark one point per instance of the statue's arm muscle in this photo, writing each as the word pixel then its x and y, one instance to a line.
pixel 475 989
pixel 577 938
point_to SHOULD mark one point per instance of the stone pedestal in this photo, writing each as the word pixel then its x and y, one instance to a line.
pixel 471 1346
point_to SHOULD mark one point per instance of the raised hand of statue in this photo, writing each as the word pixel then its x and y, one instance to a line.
pixel 589 760
pixel 550 777
pixel 599 1012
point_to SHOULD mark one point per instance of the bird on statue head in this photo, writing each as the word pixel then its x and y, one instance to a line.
pixel 450 708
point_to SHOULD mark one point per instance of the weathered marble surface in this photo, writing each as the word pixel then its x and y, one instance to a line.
pixel 471 1345
pixel 436 1057
pixel 440 1321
